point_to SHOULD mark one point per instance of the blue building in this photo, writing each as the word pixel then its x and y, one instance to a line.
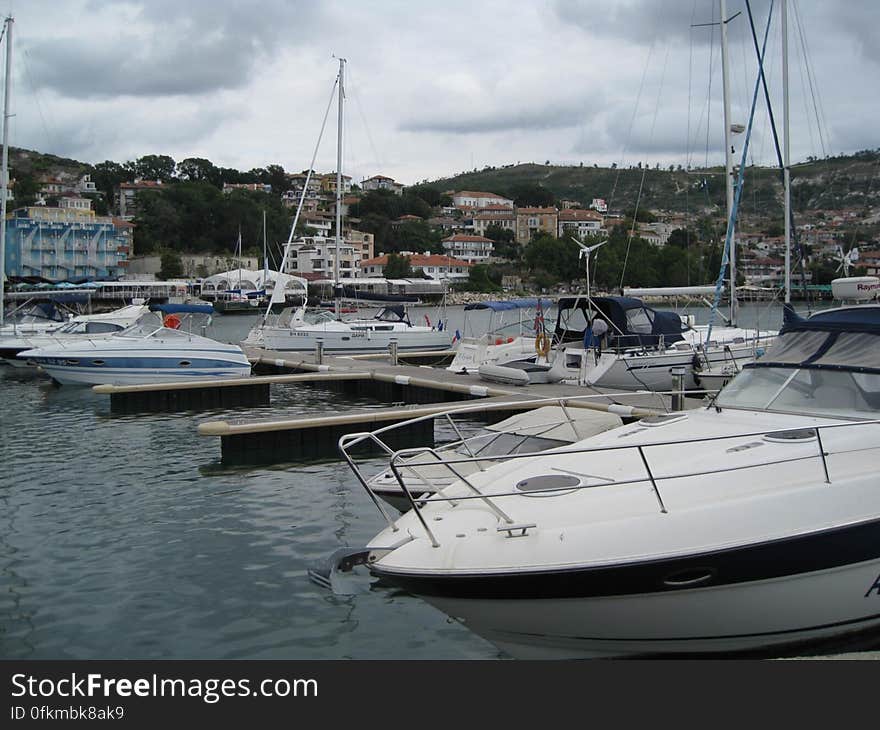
pixel 69 243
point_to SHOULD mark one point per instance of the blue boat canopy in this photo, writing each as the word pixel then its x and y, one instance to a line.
pixel 862 318
pixel 182 308
pixel 631 322
pixel 509 305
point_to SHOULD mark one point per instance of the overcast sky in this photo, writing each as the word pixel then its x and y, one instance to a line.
pixel 433 89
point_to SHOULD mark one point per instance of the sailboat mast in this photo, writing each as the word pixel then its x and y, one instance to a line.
pixel 786 152
pixel 4 172
pixel 336 285
pixel 265 256
pixel 728 154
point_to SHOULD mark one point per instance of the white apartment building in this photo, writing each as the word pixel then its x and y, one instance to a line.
pixel 580 223
pixel 381 182
pixel 474 249
pixel 469 200
pixel 317 255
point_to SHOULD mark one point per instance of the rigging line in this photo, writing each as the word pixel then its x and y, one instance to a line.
pixel 709 90
pixel 302 197
pixel 811 75
pixel 801 66
pixel 631 123
pixel 645 170
pixel 687 186
pixel 357 101
pixel 798 245
pixel 728 239
pixel 690 87
pixel 50 137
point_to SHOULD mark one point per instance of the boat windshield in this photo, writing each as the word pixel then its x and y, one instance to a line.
pixel 145 325
pixel 813 391
pixel 86 328
pixel 318 317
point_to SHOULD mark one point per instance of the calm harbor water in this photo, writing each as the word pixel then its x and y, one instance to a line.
pixel 124 537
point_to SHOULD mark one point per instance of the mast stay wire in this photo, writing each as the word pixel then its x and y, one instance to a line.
pixel 303 196
pixel 355 97
pixel 645 168
pixel 50 136
pixel 818 106
pixel 632 122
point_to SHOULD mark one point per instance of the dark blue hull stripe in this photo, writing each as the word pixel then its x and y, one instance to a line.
pixel 761 561
pixel 136 363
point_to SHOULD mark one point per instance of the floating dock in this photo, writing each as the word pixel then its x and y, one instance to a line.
pixel 421 389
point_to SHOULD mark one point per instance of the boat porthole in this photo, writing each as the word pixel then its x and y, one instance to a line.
pixel 98 362
pixel 184 363
pixel 71 362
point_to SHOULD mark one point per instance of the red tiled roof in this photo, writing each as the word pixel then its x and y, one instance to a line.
pixel 577 214
pixel 472 194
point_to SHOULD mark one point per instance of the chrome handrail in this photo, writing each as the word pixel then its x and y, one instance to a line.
pixel 418 504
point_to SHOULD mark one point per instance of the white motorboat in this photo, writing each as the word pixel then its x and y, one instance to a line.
pixel 146 352
pixel 34 318
pixel 639 351
pixel 503 341
pixel 80 328
pixel 752 525
pixel 304 330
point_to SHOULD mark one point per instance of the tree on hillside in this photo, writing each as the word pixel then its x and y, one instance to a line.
pixel 198 169
pixel 532 195
pixel 642 215
pixel 155 167
pixel 398 267
pixel 108 175
pixel 505 242
pixel 558 259
pixel 172 266
pixel 428 193
pixel 483 278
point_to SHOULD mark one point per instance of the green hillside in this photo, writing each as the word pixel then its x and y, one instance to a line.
pixel 847 181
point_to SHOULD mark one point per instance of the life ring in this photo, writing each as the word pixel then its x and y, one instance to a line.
pixel 171 321
pixel 542 344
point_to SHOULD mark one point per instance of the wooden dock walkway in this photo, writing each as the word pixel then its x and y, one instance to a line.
pixel 414 390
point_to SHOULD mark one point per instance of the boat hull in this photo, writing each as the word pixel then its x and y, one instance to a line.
pixel 67 375
pixel 652 371
pixel 769 617
pixel 335 342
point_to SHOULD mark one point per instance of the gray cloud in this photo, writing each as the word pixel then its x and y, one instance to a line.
pixel 476 121
pixel 246 86
pixel 169 48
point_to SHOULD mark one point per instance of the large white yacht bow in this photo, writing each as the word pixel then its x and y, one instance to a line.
pixel 752 525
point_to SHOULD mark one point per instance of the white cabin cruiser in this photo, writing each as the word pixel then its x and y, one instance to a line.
pixel 80 328
pixel 751 526
pixel 303 331
pixel 503 341
pixel 639 351
pixel 34 318
pixel 151 350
